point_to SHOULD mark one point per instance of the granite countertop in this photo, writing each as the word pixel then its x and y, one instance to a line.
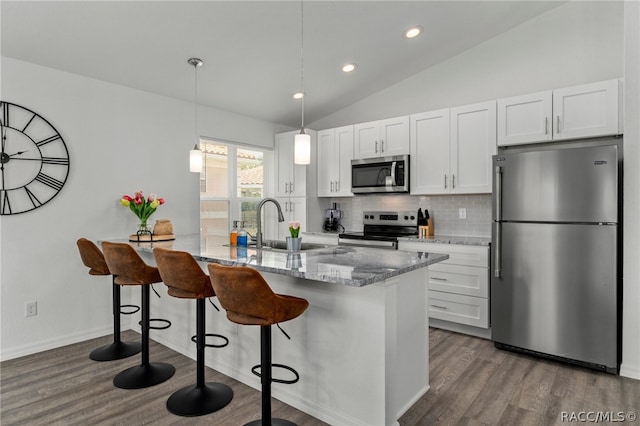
pixel 450 239
pixel 352 266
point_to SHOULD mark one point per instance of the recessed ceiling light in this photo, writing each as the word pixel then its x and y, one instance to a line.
pixel 348 67
pixel 413 32
pixel 298 95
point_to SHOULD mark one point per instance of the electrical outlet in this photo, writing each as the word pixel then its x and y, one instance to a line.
pixel 463 213
pixel 31 309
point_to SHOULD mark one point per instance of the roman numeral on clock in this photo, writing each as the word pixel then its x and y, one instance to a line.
pixel 5 114
pixel 55 160
pixel 47 140
pixel 49 181
pixel 5 207
pixel 34 200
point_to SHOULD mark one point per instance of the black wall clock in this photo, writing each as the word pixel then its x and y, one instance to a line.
pixel 34 161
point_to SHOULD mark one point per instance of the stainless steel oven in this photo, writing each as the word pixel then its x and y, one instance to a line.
pixel 380 175
pixel 381 230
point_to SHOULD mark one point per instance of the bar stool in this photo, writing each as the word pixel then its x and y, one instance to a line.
pixel 249 300
pixel 186 280
pixel 93 259
pixel 130 269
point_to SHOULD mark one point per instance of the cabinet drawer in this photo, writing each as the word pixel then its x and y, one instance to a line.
pixel 467 280
pixel 458 308
pixel 459 254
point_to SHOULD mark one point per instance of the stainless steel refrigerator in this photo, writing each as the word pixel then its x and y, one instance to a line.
pixel 555 282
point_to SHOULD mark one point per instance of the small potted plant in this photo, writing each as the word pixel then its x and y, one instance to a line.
pixel 294 242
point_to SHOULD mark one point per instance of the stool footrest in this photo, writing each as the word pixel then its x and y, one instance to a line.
pixel 134 309
pixel 255 369
pixel 194 339
pixel 157 327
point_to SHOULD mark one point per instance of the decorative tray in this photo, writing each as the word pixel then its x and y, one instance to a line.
pixel 151 238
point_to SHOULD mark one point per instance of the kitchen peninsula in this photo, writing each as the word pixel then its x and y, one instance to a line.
pixel 361 348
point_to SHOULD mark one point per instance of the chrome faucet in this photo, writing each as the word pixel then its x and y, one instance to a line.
pixel 259 218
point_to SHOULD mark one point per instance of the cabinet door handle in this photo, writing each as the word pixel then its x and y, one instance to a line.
pixel 382 145
pixel 557 124
pixel 453 181
pixel 445 181
pixel 376 147
pixel 546 125
pixel 337 186
pixel 439 306
pixel 291 187
pixel 286 187
pixel 331 186
pixel 439 279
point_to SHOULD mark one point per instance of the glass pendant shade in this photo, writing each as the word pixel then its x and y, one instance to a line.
pixel 302 149
pixel 195 160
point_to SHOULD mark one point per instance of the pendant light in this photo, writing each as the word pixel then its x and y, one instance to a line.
pixel 302 141
pixel 195 155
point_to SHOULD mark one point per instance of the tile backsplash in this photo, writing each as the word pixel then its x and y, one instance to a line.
pixel 443 209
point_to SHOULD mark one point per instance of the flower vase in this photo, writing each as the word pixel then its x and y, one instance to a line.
pixel 294 243
pixel 143 229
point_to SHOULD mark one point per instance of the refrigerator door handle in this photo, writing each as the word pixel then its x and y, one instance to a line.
pixel 498 216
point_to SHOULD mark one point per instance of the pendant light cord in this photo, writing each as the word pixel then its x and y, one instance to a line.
pixel 195 105
pixel 302 62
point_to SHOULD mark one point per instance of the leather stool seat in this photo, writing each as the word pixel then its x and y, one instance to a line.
pixel 186 280
pixel 93 259
pixel 129 269
pixel 249 300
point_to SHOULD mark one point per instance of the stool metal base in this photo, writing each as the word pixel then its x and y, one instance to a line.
pixel 274 422
pixel 196 400
pixel 144 376
pixel 116 350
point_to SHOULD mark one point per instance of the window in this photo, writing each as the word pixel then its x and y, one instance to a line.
pixel 231 185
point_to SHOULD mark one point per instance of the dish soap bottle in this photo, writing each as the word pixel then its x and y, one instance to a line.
pixel 233 235
pixel 242 236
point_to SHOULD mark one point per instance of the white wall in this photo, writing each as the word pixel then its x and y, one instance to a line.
pixel 575 43
pixel 119 140
pixel 631 248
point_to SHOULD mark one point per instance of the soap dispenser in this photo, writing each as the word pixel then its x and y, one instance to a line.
pixel 242 235
pixel 233 235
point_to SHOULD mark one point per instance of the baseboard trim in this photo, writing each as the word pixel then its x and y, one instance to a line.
pixel 630 371
pixel 53 343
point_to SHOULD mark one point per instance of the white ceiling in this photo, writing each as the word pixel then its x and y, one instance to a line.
pixel 251 49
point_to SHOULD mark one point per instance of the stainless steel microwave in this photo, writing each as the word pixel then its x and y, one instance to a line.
pixel 380 175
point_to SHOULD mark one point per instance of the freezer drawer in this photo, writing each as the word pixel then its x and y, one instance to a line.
pixel 467 280
pixel 557 293
pixel 459 308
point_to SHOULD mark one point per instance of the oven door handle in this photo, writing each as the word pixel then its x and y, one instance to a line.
pixel 394 164
pixel 390 245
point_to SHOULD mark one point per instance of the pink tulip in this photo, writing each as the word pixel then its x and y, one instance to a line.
pixel 138 201
pixel 126 197
pixel 152 197
pixel 161 200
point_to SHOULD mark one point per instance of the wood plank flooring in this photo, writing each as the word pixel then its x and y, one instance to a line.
pixel 472 383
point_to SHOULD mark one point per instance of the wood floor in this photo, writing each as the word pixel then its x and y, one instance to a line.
pixel 472 383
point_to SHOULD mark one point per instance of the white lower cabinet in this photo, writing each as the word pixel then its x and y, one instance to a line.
pixel 458 288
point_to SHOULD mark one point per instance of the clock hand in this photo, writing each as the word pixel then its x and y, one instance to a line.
pixel 18 153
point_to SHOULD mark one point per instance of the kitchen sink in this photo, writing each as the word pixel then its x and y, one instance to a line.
pixel 278 245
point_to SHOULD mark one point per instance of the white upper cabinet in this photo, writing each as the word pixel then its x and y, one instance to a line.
pixel 290 179
pixel 587 110
pixel 525 119
pixel 429 156
pixel 451 149
pixel 583 111
pixel 473 142
pixel 335 151
pixel 381 138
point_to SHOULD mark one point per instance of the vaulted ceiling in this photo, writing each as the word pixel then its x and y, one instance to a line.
pixel 252 49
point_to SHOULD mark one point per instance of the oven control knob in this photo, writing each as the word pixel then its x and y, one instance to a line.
pixel 366 216
pixel 406 218
pixel 413 217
